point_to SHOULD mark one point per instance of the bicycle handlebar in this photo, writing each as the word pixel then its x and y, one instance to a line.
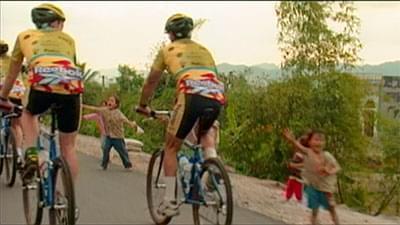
pixel 11 110
pixel 158 114
pixel 155 114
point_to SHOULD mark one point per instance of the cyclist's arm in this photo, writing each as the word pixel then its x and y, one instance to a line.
pixel 15 67
pixel 153 79
pixel 149 86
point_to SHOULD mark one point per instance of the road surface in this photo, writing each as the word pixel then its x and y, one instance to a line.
pixel 114 196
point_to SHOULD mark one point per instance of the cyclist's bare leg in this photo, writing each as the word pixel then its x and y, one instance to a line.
pixel 172 146
pixel 209 142
pixel 67 147
pixel 16 126
pixel 30 128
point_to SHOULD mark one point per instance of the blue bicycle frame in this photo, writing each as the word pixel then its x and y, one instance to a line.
pixel 195 194
pixel 5 130
pixel 47 179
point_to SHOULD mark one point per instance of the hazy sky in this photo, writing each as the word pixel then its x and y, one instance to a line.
pixel 112 33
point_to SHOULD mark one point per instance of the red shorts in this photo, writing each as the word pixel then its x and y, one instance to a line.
pixel 295 187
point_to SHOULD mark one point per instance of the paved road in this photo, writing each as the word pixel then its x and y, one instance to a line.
pixel 114 196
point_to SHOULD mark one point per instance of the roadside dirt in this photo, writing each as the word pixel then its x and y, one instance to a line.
pixel 262 196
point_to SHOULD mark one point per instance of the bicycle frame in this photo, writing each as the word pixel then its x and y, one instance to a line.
pixel 47 181
pixel 195 174
pixel 196 192
pixel 5 130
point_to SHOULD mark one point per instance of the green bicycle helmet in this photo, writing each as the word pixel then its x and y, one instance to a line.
pixel 180 25
pixel 46 13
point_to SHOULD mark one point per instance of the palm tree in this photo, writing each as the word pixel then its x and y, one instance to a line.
pixel 88 74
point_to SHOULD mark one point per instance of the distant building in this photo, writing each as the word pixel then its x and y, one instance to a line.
pixel 383 98
pixel 389 103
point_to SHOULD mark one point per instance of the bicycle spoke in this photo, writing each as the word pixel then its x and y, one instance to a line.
pixel 155 188
pixel 63 210
pixel 218 208
pixel 33 207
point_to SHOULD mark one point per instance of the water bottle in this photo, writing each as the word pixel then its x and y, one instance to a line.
pixel 185 168
pixel 43 156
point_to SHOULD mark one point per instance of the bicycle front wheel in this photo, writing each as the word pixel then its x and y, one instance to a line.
pixel 2 154
pixel 63 210
pixel 32 197
pixel 155 187
pixel 10 160
pixel 217 194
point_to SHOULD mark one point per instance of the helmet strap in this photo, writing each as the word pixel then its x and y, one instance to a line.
pixel 182 36
pixel 46 27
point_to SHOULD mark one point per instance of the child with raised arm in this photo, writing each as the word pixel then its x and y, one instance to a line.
pixel 114 121
pixel 99 122
pixel 320 169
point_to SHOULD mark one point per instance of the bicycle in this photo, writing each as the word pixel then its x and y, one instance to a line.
pixel 44 190
pixel 8 148
pixel 197 192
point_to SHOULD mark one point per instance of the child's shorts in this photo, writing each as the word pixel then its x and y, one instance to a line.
pixel 316 198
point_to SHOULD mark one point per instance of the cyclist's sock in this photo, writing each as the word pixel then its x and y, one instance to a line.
pixel 210 153
pixel 169 188
pixel 20 156
pixel 31 154
pixel 19 151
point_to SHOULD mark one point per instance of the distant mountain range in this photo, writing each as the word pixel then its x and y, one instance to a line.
pixel 384 69
pixel 273 71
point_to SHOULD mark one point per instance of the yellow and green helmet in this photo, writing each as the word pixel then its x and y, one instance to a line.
pixel 179 24
pixel 46 13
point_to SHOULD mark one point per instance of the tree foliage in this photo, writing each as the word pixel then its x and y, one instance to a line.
pixel 316 37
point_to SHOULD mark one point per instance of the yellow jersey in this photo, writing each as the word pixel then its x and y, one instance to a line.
pixel 194 67
pixel 18 90
pixel 51 59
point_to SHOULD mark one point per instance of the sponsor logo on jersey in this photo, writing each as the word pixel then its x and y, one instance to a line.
pixel 61 71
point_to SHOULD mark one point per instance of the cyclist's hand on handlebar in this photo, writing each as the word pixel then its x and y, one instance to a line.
pixel 6 105
pixel 143 110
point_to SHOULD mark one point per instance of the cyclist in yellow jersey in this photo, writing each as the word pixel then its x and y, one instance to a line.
pixel 197 88
pixel 53 77
pixel 16 94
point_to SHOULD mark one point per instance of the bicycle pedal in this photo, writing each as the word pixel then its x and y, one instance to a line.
pixel 211 203
pixel 41 204
pixel 60 206
pixel 29 186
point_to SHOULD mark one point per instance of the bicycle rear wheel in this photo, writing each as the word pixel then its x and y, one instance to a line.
pixel 63 210
pixel 218 195
pixel 10 160
pixel 155 187
pixel 32 197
